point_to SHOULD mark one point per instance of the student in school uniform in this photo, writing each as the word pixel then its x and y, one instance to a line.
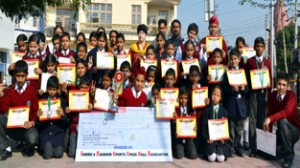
pixel 51 132
pixel 120 45
pixel 282 105
pixel 185 146
pixel 134 96
pixel 195 82
pixel 235 103
pixel 161 51
pixel 163 28
pixel 84 84
pixel 257 100
pixel 138 50
pixel 43 45
pixel 113 40
pixel 17 95
pixel 65 51
pixel 126 71
pixel 192 33
pixel 22 42
pixel 59 31
pixel 218 61
pixel 101 48
pixel 213 28
pixel 217 150
pixel 34 53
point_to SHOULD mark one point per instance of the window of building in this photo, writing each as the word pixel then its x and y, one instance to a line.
pixel 136 14
pixel 100 13
pixel 3 62
pixel 163 15
pixel 152 20
pixel 34 22
pixel 65 18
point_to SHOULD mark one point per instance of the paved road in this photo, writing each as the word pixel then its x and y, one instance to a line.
pixel 17 161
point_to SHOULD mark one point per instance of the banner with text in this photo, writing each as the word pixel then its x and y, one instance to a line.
pixel 133 134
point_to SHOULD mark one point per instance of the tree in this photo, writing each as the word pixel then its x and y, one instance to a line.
pixel 289 32
pixel 19 9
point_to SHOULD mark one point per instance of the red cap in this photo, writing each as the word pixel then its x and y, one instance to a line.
pixel 214 20
pixel 140 71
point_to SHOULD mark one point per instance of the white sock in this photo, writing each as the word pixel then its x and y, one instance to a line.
pixel 8 149
pixel 212 157
pixel 220 158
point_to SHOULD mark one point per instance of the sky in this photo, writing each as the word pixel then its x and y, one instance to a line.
pixel 235 19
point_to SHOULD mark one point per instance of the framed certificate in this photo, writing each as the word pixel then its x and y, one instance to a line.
pixel 66 74
pixel 170 94
pixel 216 72
pixel 186 64
pixel 147 89
pixel 167 64
pixel 64 60
pixel 165 109
pixel 49 108
pixel 185 127
pixel 260 79
pixel 218 129
pixel 236 77
pixel 123 58
pixel 198 97
pixel 103 100
pixel 79 100
pixel 90 47
pixel 16 56
pixel 32 64
pixel 17 116
pixel 45 77
pixel 248 52
pixel 148 62
pixel 213 42
pixel 105 60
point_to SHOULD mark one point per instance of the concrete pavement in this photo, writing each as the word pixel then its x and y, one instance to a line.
pixel 18 161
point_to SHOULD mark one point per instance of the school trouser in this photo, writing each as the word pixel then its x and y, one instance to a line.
pixel 257 115
pixel 236 126
pixel 29 136
pixel 185 146
pixel 51 151
pixel 288 136
pixel 72 145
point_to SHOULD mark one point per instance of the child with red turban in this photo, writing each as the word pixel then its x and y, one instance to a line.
pixel 213 28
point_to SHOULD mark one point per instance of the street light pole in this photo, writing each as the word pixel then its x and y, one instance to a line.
pixel 296 24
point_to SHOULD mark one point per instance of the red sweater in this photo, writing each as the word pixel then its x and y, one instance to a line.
pixel 74 117
pixel 286 108
pixel 13 99
pixel 128 100
pixel 251 65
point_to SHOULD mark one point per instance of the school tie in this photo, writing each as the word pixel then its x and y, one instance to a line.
pixel 279 98
pixel 216 113
pixel 184 111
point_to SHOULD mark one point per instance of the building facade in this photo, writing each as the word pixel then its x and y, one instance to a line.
pixel 121 15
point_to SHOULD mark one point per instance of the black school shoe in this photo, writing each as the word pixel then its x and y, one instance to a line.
pixel 287 163
pixel 28 151
pixel 5 154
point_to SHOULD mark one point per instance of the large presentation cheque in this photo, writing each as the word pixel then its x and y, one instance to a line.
pixel 132 135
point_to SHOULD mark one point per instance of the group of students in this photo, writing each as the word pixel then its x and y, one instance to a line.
pixel 224 100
